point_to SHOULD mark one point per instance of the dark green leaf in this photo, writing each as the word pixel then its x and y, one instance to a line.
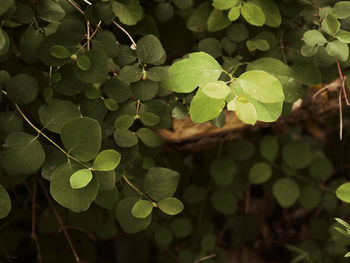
pixel 260 172
pixel 217 21
pixel 5 202
pixel 50 11
pixel 224 201
pixel 149 137
pixel 130 13
pixel 296 154
pixel 150 50
pixel 22 88
pixel 198 19
pixel 222 170
pixel 82 138
pixel 5 5
pixel 286 191
pixel 125 138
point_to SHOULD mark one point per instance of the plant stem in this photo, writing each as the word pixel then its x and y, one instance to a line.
pixel 137 190
pixel 342 79
pixel 127 33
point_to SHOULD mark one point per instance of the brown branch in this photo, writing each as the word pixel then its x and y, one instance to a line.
pixel 343 83
pixel 76 6
pixel 127 33
pixel 89 235
pixel 59 219
pixel 88 34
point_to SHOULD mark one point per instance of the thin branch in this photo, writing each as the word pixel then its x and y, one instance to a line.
pixel 342 79
pixel 46 137
pixel 88 34
pixel 86 1
pixel 340 117
pixel 283 48
pixel 59 219
pixel 127 33
pixel 89 235
pixel 138 190
pixel 204 258
pixel 33 234
pixel 76 6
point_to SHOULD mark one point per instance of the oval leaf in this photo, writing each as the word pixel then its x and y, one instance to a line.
pixel 106 160
pixel 171 206
pixel 80 178
pixel 142 209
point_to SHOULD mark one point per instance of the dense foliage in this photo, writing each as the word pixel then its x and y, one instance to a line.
pixel 87 85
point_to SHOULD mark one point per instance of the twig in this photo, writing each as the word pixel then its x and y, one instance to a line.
pixel 342 79
pixel 33 234
pixel 89 235
pixel 88 34
pixel 204 258
pixel 340 117
pixel 59 219
pixel 138 190
pixel 9 259
pixel 86 1
pixel 283 48
pixel 127 33
pixel 76 6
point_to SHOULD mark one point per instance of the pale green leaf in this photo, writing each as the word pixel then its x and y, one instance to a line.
pixel 342 9
pixel 338 49
pixel 246 112
pixel 271 11
pixel 59 51
pixel 224 4
pixel 142 209
pixel 80 178
pixel 192 72
pixel 260 172
pixel 170 205
pixel 106 160
pixel 129 14
pixel 343 192
pixel 83 62
pixel 331 25
pixel 217 21
pixel 343 36
pixel 314 37
pixel 286 191
pixel 253 14
pixel 216 90
pixel 234 13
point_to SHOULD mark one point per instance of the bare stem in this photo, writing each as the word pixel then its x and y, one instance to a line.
pixel 137 190
pixel 88 34
pixel 127 33
pixel 205 258
pixel 59 219
pixel 340 117
pixel 46 137
pixel 76 6
pixel 342 79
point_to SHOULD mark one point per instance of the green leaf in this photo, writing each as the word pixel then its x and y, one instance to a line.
pixel 106 41
pixel 224 4
pixel 271 11
pixel 308 51
pixel 224 201
pixel 82 138
pixel 5 42
pixel 342 9
pixel 149 118
pixel 238 32
pixel 261 86
pixel 150 50
pixel 217 21
pixel 246 112
pixel 204 108
pixel 10 121
pixel 125 138
pixel 161 182
pixel 50 11
pixel 157 73
pixel 149 137
pixel 296 154
pixel 307 74
pixel 106 160
pixel 106 180
pixel 197 21
pixel 3 39
pixel 343 36
pixel 269 147
pixel 260 172
pixel 80 178
pixel 338 49
pixel 144 89
pixel 142 209
pixel 343 192
pixel 129 14
pixel 29 44
pixel 130 73
pixel 55 113
pixel 309 197
pixel 171 206
pixel 107 199
pixel 164 12
pixel 111 104
pixel 208 242
pixel 331 25
pixel 124 122
pixel 60 52
pixel 321 169
pixel 83 62
pixel 98 72
pixel 222 170
pixel 210 45
pixel 5 202
pixel 286 191
pixel 53 160
pixel 216 90
pixel 76 200
pixel 5 5
pixel 234 13
pixel 292 89
pixel 314 37
pixel 22 154
pixel 253 14
pixel 22 89
pixel 127 221
pixel 192 72
pixel 163 236
pixel 183 4
pixel 240 149
pixel 181 227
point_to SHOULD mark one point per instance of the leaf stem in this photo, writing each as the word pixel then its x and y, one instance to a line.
pixel 136 189
pixel 127 33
